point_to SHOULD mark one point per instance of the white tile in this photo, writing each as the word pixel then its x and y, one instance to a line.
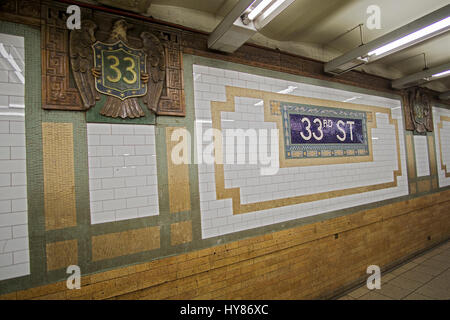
pixel 17 244
pixel 18 153
pixel 421 155
pixel 6 259
pixel 5 233
pixel 18 179
pixel 111 183
pixel 110 205
pixel 98 128
pixel 20 231
pixel 5 179
pixel 17 127
pixel 125 170
pixel 16 140
pixel 4 126
pixel 21 256
pixel 19 205
pixel 126 214
pixel 14 271
pixel 97 173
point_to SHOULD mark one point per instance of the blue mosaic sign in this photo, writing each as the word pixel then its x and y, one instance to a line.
pixel 318 132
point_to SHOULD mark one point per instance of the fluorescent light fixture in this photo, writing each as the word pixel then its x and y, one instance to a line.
pixel 412 37
pixel 258 9
pixel 234 30
pixel 273 7
pixel 271 12
pixel 417 31
pixel 422 77
pixel 440 74
pixel 231 32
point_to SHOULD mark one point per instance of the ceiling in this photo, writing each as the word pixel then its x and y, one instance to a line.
pixel 310 27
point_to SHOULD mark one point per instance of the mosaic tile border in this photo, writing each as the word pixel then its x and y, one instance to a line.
pixel 234 193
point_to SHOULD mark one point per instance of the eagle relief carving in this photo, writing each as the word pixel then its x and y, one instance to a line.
pixel 418 111
pixel 115 69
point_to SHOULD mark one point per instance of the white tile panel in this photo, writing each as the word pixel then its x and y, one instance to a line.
pixel 14 247
pixel 421 153
pixel 216 215
pixel 122 172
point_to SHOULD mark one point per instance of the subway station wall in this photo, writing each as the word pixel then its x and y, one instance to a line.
pixel 297 187
pixel 291 188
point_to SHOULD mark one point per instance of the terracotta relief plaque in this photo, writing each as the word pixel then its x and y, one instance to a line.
pixel 418 115
pixel 117 68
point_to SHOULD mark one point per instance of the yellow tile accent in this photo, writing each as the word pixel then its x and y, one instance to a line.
pixel 179 193
pixel 424 185
pixel 61 254
pixel 412 188
pixel 434 183
pixel 432 155
pixel 411 157
pixel 59 176
pixel 111 245
pixel 181 232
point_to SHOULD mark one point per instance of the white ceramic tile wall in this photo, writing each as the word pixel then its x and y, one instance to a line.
pixel 422 160
pixel 122 172
pixel 12 89
pixel 14 248
pixel 445 140
pixel 216 215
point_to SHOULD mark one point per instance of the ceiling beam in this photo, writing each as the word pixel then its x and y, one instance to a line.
pixel 420 77
pixel 238 33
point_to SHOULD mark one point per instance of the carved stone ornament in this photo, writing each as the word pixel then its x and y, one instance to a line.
pixel 115 69
pixel 418 115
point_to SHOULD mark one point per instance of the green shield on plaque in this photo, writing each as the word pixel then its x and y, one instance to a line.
pixel 121 68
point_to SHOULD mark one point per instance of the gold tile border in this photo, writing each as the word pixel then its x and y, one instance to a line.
pixel 234 193
pixel 112 245
pixel 59 175
pixel 411 157
pixel 432 155
pixel 178 175
pixel 61 254
pixel 412 188
pixel 180 232
pixel 440 125
pixel 424 186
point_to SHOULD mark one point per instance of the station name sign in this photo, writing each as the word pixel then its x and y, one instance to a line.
pixel 317 132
